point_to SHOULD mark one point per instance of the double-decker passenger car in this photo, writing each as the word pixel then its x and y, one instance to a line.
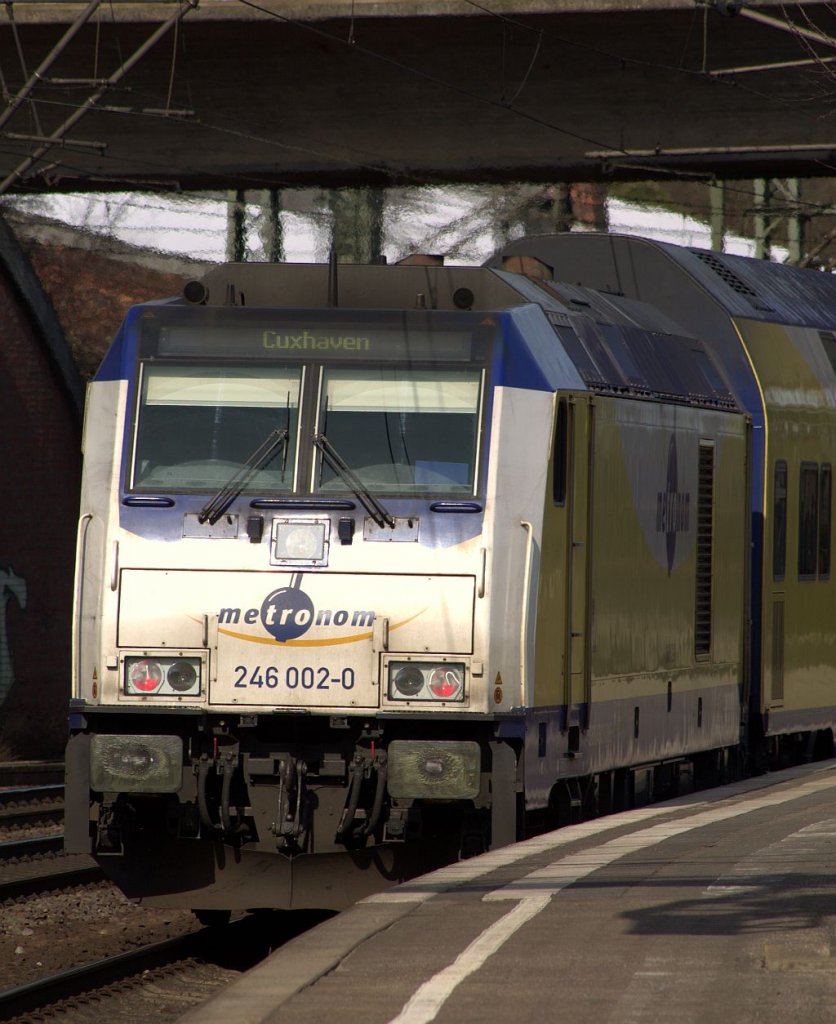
pixel 376 564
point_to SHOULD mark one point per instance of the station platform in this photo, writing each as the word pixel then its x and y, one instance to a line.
pixel 720 904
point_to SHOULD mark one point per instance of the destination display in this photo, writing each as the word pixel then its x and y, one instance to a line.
pixel 347 340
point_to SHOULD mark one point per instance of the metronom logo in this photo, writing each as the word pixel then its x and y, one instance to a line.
pixel 673 507
pixel 288 613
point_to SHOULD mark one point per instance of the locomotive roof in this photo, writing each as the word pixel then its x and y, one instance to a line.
pixel 618 344
pixel 632 266
pixel 713 295
pixel 763 290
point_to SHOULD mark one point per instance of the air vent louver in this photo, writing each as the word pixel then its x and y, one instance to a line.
pixel 728 276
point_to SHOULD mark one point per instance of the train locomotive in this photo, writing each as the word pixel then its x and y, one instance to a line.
pixel 379 566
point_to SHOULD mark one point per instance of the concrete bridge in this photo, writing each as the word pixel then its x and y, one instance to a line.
pixel 277 93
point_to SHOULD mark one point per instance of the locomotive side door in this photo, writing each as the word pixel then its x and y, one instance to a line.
pixel 562 675
pixel 579 448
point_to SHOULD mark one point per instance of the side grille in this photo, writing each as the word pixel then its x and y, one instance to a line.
pixel 778 650
pixel 705 531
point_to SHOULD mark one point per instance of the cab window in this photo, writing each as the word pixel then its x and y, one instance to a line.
pixel 401 430
pixel 197 425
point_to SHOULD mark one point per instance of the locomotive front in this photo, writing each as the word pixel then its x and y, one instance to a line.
pixel 280 689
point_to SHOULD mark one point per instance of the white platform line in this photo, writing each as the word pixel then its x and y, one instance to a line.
pixel 431 996
pixel 463 872
pixel 533 892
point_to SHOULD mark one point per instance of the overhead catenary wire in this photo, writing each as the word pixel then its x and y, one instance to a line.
pixel 748 194
pixel 362 160
pixel 401 173
pixel 629 59
pixel 427 76
pixel 183 8
pixel 655 169
pixel 406 179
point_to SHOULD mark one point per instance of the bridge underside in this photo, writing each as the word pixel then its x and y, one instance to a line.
pixel 258 100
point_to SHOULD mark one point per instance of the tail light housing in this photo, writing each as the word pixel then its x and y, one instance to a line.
pixel 162 676
pixel 436 681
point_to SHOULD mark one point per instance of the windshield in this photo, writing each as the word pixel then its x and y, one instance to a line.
pixel 402 430
pixel 199 425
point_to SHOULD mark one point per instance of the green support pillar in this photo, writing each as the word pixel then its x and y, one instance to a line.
pixel 235 230
pixel 717 195
pixel 357 232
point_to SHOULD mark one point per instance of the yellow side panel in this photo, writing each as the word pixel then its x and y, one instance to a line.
pixel 798 642
pixel 617 602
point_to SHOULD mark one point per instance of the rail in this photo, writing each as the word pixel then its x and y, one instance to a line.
pixel 27 806
pixel 30 773
pixel 36 995
pixel 37 846
pixel 237 946
pixel 29 867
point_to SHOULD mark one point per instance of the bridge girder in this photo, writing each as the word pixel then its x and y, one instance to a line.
pixel 280 94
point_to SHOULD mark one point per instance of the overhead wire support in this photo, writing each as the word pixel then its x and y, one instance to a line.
pixel 88 83
pixel 779 66
pixel 10 14
pixel 787 26
pixel 733 8
pixel 37 76
pixel 55 137
pixel 72 143
pixel 686 151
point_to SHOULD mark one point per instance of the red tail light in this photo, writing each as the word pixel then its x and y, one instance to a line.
pixel 146 676
pixel 445 682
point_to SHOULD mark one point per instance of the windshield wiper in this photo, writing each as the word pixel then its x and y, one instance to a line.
pixel 375 509
pixel 216 506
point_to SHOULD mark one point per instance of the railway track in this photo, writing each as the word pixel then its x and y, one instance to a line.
pixel 31 773
pixel 38 865
pixel 31 806
pixel 198 962
pixel 154 981
pixel 16 850
pixel 87 979
pixel 42 878
pixel 31 797
pixel 32 860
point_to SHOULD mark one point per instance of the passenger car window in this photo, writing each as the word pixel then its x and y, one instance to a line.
pixel 779 521
pixel 825 492
pixel 560 453
pixel 808 514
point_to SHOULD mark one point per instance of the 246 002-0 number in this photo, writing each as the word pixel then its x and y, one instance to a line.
pixel 293 677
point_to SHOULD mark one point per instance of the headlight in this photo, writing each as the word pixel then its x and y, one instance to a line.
pixel 136 764
pixel 182 676
pixel 414 680
pixel 162 676
pixel 434 769
pixel 300 540
pixel 409 680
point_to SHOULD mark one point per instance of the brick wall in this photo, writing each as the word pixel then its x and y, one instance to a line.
pixel 40 464
pixel 40 470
